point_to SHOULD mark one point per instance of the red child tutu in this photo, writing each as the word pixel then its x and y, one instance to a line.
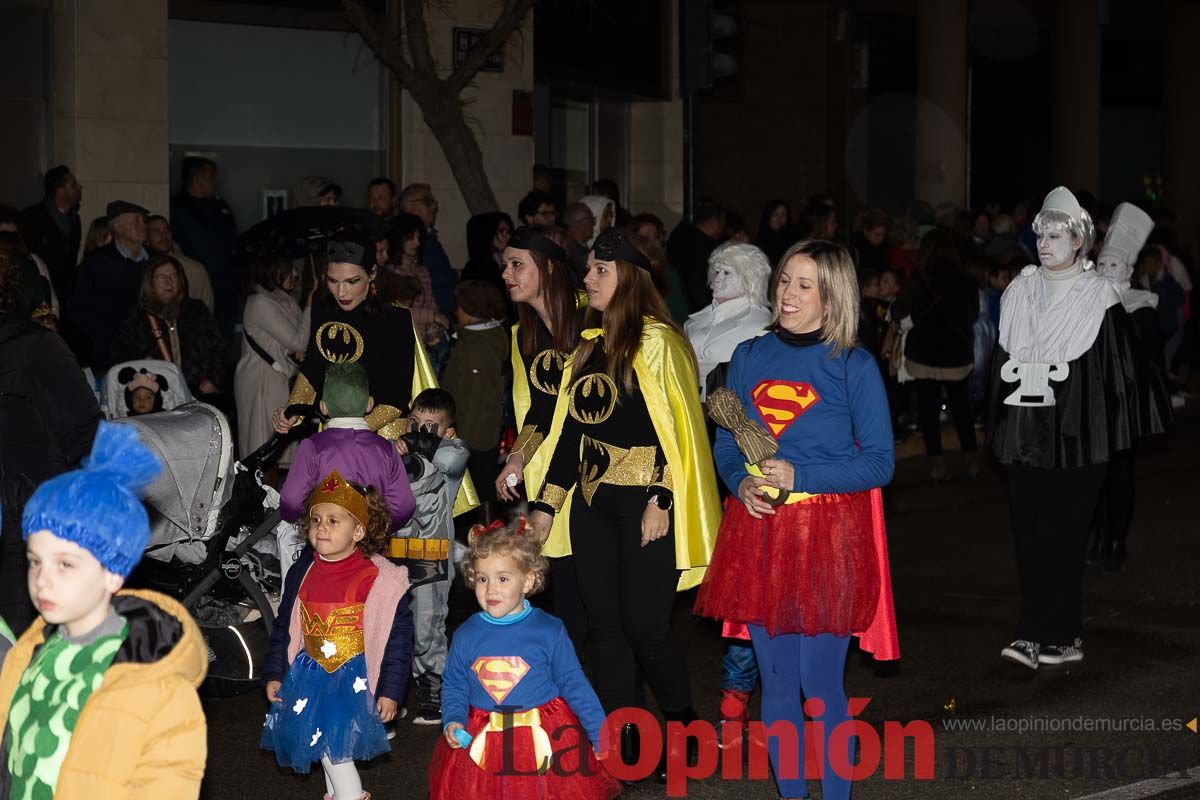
pixel 453 774
pixel 812 568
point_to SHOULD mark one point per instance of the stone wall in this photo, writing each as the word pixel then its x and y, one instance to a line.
pixel 110 121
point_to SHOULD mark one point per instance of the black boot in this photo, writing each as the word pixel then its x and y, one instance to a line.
pixel 1113 562
pixel 1095 548
pixel 631 744
pixel 692 756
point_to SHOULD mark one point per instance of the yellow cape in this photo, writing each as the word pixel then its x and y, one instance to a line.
pixel 425 378
pixel 666 375
pixel 534 472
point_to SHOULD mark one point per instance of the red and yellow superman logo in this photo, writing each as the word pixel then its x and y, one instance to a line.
pixel 780 403
pixel 499 675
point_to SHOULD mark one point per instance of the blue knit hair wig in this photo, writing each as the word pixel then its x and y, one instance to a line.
pixel 98 507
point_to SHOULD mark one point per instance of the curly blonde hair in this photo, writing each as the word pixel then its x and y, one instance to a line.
pixel 378 527
pixel 515 541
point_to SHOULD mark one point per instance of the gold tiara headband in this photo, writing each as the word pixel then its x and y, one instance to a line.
pixel 333 488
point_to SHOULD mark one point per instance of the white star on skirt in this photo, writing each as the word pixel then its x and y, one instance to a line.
pixel 360 685
pixel 316 736
pixel 299 706
pixel 329 649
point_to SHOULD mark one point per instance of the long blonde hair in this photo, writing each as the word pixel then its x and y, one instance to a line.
pixel 623 321
pixel 837 285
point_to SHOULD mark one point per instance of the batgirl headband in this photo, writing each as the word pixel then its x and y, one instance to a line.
pixel 333 488
pixel 527 238
pixel 614 245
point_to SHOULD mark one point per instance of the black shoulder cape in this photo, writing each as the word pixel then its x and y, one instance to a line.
pixel 1104 405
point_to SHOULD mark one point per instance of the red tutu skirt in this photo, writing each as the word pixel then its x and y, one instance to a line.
pixel 453 775
pixel 812 568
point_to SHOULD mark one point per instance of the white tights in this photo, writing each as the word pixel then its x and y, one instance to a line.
pixel 341 780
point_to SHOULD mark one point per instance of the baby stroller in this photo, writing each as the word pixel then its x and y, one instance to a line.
pixel 212 537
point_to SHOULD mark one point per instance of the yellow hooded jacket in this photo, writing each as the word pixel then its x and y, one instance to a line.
pixel 666 375
pixel 141 735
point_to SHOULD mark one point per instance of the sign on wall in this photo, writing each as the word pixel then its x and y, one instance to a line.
pixel 465 39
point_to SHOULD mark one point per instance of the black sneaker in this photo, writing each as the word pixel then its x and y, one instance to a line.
pixel 1022 652
pixel 1061 653
pixel 429 700
pixel 390 727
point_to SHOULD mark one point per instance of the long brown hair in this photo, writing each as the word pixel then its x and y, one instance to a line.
pixel 624 320
pixel 561 298
pixel 148 300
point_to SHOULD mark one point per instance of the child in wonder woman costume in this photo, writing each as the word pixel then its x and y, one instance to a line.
pixel 338 659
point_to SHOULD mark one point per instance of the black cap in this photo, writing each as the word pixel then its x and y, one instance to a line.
pixel 118 207
pixel 614 245
pixel 347 247
pixel 327 187
pixel 529 238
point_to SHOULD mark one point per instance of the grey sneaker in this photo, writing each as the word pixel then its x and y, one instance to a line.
pixel 1022 652
pixel 1061 653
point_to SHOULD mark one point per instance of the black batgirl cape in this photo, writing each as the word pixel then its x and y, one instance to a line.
pixel 1104 405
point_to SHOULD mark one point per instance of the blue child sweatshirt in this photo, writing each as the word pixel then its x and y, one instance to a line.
pixel 515 666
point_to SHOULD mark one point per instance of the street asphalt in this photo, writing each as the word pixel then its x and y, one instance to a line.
pixel 995 730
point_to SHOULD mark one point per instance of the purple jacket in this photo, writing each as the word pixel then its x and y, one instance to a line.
pixel 361 456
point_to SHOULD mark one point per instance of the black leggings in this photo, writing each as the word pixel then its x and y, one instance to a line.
pixel 958 403
pixel 1050 513
pixel 1114 509
pixel 568 606
pixel 629 593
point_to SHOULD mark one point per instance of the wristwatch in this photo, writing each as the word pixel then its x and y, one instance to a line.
pixel 663 501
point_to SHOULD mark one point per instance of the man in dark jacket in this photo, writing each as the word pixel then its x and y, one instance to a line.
pixel 109 280
pixel 204 228
pixel 418 199
pixel 580 224
pixel 53 227
pixel 688 249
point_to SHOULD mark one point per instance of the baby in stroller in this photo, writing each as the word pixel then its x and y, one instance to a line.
pixel 146 386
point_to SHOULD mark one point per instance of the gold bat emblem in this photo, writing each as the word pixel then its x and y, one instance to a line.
pixel 593 399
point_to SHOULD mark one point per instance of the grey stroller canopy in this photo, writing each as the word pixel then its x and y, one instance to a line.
pixel 194 443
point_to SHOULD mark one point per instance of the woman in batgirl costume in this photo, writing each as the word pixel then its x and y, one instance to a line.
pixel 627 446
pixel 351 323
pixel 550 311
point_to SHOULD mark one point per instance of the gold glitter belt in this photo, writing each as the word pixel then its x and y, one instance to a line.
pixel 333 641
pixel 600 462
pixel 422 549
pixel 499 722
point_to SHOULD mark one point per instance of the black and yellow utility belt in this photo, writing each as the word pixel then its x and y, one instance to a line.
pixel 420 549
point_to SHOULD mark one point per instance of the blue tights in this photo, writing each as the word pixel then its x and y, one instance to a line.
pixel 795 668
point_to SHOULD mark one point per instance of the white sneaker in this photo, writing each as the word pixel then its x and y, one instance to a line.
pixel 1061 653
pixel 1022 652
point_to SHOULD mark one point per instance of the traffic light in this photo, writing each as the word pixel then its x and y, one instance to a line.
pixel 708 38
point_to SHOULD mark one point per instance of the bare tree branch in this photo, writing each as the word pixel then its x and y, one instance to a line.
pixel 374 31
pixel 510 17
pixel 418 37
